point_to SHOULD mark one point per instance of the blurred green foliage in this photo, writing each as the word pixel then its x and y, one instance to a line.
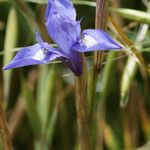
pixel 39 100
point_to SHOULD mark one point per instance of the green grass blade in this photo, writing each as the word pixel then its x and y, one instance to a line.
pixel 10 43
pixel 31 107
pixel 136 15
pixel 51 126
pixel 83 2
pixel 110 138
pixel 107 75
pixel 31 111
pixel 37 1
pixel 130 70
pixel 127 78
pixel 45 92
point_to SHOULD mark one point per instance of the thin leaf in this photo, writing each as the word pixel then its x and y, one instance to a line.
pixel 137 53
pixel 37 1
pixel 130 69
pixel 45 91
pixel 136 15
pixel 127 78
pixel 52 125
pixel 30 107
pixel 10 43
pixel 83 2
pixel 110 138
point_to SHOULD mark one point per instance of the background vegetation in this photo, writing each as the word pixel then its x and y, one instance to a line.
pixel 39 100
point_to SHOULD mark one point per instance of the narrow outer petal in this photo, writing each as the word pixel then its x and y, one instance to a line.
pixel 64 7
pixel 92 40
pixel 31 55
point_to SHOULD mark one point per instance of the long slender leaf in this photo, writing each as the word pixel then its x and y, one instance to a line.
pixel 52 125
pixel 45 93
pixel 125 39
pixel 10 43
pixel 130 69
pixel 31 108
pixel 136 15
pixel 110 138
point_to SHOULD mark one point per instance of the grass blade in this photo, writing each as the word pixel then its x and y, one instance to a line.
pixel 30 104
pixel 110 138
pixel 136 15
pixel 130 69
pixel 45 92
pixel 10 43
pixel 125 39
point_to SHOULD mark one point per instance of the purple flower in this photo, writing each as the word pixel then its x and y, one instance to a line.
pixel 65 31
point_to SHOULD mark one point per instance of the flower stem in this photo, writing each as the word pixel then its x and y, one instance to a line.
pixel 102 10
pixel 5 135
pixel 100 23
pixel 82 110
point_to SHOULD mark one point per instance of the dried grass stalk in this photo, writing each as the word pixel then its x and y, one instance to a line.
pixel 82 110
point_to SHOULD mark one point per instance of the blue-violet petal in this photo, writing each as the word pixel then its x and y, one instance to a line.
pixel 64 7
pixel 63 31
pixel 95 39
pixel 31 55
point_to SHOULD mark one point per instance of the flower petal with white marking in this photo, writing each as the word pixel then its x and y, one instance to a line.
pixel 31 55
pixel 92 40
